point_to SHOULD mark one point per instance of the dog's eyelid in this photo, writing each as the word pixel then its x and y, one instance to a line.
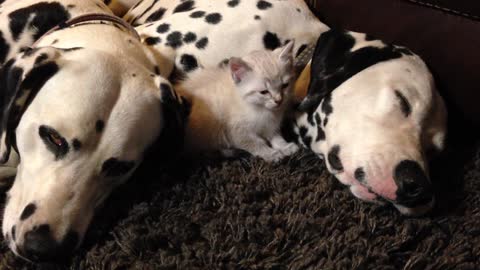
pixel 54 141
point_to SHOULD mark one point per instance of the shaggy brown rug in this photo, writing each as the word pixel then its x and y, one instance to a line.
pixel 247 214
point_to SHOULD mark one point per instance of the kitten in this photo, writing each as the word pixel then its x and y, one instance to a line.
pixel 241 105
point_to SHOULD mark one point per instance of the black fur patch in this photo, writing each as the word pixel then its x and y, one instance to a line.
pixel 320 132
pixel 183 7
pixel 163 28
pixel 14 232
pixel 263 5
pixel 271 41
pixel 113 167
pixel 174 39
pixel 327 107
pixel 256 17
pixel 152 40
pixel 77 144
pixel 4 48
pixel 202 43
pixel 197 14
pixel 134 22
pixel 334 159
pixel 42 17
pixel 28 211
pixel 99 126
pixel 213 18
pixel 42 57
pixel 307 140
pixel 189 37
pixel 360 174
pixel 233 3
pixel 404 104
pixel 157 15
pixel 188 62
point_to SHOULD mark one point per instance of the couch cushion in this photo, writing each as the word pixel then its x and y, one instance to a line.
pixel 449 43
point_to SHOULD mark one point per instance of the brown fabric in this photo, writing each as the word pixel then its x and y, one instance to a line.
pixel 449 43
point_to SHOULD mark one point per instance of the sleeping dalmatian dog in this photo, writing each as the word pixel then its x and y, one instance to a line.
pixel 81 108
pixel 373 113
pixel 86 103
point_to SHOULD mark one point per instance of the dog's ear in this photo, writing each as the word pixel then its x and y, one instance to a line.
pixel 20 80
pixel 175 112
pixel 328 57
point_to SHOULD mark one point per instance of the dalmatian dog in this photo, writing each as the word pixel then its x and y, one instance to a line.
pixel 83 104
pixel 203 33
pixel 373 113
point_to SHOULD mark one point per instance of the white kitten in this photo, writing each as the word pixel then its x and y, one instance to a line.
pixel 241 105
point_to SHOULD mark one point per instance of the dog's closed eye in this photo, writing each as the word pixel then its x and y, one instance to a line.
pixel 54 141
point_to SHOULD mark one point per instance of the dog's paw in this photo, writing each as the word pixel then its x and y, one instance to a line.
pixel 290 149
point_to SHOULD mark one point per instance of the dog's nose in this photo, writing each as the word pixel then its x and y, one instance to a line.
pixel 413 186
pixel 39 245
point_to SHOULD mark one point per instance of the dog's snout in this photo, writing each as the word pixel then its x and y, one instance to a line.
pixel 39 244
pixel 414 188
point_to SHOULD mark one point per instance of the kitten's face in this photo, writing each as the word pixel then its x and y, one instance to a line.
pixel 265 78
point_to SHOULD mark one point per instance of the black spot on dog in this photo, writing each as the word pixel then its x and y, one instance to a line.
pixel 320 132
pixel 113 167
pixel 188 62
pixel 134 21
pixel 183 7
pixel 233 3
pixel 134 75
pixel 76 144
pixel 224 62
pixel 334 159
pixel 256 17
pixel 271 41
pixel 72 49
pixel 327 108
pixel 14 233
pixel 174 39
pixel 54 142
pixel 156 70
pixel 71 6
pixel 263 5
pixel 202 43
pixel 39 18
pixel 4 48
pixel 99 126
pixel 42 57
pixel 404 104
pixel 359 174
pixel 28 211
pixel 213 18
pixel 157 15
pixel 307 140
pixel 150 41
pixel 189 37
pixel 163 28
pixel 55 41
pixel 301 49
pixel 197 14
pixel 107 2
pixel 298 10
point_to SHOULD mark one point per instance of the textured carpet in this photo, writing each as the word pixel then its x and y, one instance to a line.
pixel 248 214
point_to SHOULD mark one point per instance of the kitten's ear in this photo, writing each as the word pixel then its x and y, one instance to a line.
pixel 238 69
pixel 285 52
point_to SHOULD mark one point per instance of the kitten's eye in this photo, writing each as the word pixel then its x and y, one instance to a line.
pixel 285 85
pixel 264 92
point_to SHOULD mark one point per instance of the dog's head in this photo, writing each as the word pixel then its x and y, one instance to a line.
pixel 81 121
pixel 373 113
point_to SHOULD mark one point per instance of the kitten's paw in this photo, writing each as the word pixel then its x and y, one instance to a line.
pixel 290 149
pixel 273 156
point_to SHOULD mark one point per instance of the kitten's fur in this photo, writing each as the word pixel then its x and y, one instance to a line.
pixel 241 105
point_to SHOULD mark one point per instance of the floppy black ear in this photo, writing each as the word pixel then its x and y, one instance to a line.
pixel 328 57
pixel 20 80
pixel 175 112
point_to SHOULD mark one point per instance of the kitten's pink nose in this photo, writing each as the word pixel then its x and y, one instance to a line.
pixel 278 99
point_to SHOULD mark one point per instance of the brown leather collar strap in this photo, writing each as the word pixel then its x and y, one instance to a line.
pixel 88 18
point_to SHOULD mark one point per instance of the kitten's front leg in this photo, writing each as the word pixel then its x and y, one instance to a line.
pixel 257 146
pixel 279 143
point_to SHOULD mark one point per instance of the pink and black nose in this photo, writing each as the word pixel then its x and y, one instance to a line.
pixel 39 245
pixel 414 190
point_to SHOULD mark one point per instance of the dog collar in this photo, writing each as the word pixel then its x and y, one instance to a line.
pixel 89 18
